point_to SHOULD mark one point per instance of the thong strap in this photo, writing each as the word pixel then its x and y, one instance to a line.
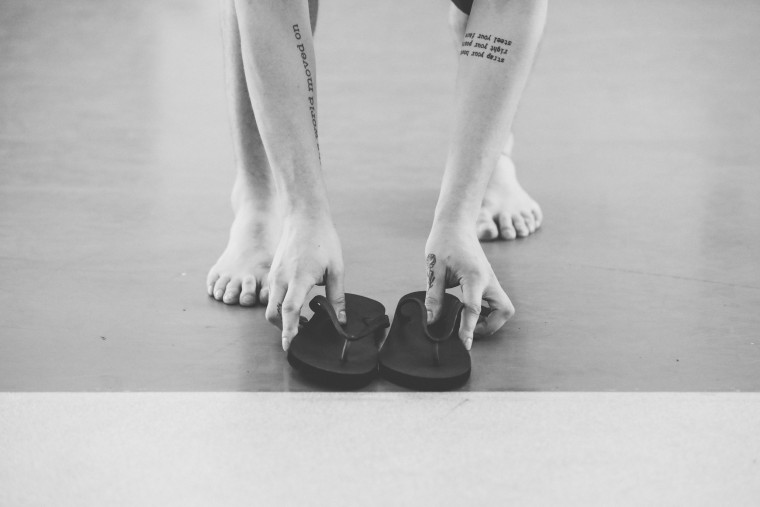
pixel 371 324
pixel 446 328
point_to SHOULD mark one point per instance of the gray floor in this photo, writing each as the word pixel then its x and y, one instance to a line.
pixel 543 449
pixel 637 134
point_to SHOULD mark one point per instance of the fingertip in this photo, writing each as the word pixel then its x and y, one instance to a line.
pixel 433 308
pixel 342 316
pixel 464 333
pixel 466 337
pixel 285 344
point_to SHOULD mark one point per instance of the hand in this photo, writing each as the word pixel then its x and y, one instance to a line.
pixel 454 257
pixel 308 254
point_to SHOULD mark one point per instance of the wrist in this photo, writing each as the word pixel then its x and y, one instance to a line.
pixel 448 229
pixel 454 216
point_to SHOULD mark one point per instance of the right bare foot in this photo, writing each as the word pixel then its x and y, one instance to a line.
pixel 241 271
pixel 507 211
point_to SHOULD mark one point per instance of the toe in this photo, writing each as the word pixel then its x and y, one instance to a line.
pixel 506 229
pixel 248 294
pixel 530 221
pixel 232 292
pixel 219 286
pixel 486 227
pixel 211 279
pixel 539 216
pixel 520 226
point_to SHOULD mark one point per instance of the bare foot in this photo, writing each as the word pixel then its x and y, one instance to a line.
pixel 241 271
pixel 507 211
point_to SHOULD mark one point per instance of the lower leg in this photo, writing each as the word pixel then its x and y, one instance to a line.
pixel 507 210
pixel 238 274
pixel 241 271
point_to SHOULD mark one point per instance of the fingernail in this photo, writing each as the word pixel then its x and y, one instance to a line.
pixel 285 344
pixel 218 294
pixel 430 315
pixel 468 344
pixel 342 315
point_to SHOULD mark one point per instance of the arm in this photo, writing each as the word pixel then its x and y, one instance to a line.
pixel 500 43
pixel 280 71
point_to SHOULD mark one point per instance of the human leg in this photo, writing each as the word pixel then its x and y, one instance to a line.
pixel 242 269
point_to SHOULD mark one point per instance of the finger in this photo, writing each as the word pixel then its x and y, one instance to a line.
pixel 472 294
pixel 335 294
pixel 291 309
pixel 436 287
pixel 501 307
pixel 219 286
pixel 506 228
pixel 274 304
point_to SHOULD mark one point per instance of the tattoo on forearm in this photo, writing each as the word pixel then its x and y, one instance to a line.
pixel 309 81
pixel 480 45
pixel 430 261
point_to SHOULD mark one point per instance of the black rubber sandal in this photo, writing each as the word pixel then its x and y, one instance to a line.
pixel 342 357
pixel 422 357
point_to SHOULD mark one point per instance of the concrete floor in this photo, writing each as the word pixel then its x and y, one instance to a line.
pixel 416 449
pixel 637 134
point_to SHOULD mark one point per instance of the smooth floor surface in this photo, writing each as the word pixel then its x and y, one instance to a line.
pixel 543 449
pixel 637 135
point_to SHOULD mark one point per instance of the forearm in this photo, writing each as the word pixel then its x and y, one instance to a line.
pixel 279 61
pixel 495 59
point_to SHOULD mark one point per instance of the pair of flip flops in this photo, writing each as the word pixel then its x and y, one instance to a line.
pixel 414 355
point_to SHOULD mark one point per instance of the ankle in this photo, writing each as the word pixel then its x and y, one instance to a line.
pixel 260 197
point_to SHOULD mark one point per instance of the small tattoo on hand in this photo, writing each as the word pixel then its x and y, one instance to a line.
pixel 279 310
pixel 430 261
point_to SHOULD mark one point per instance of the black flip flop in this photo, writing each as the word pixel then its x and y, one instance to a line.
pixel 343 357
pixel 422 357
